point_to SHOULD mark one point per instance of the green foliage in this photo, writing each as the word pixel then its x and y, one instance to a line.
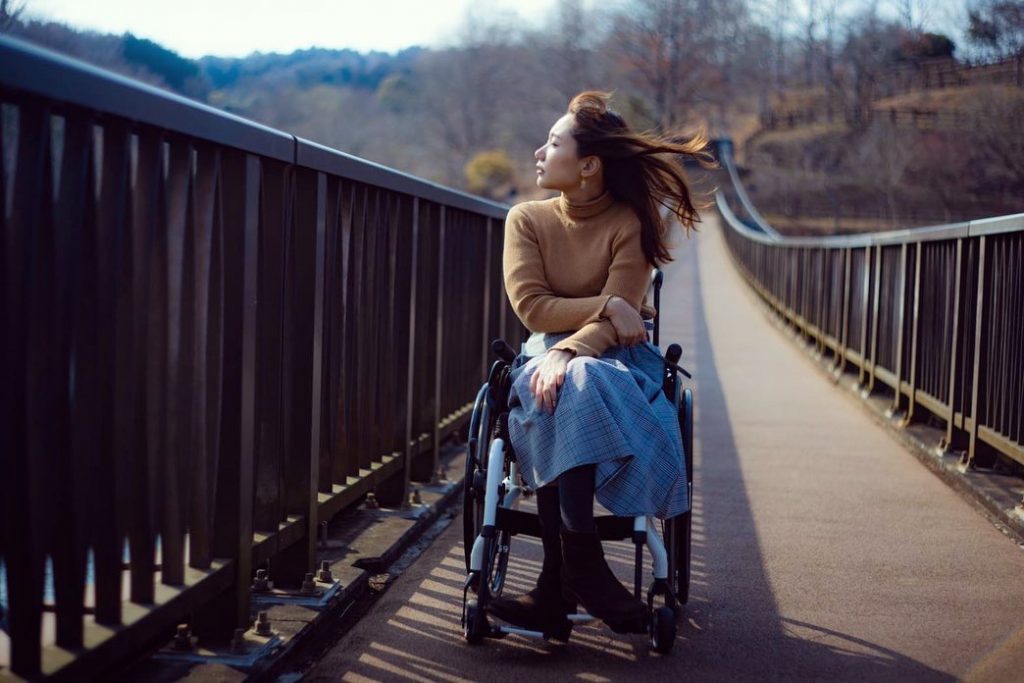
pixel 174 69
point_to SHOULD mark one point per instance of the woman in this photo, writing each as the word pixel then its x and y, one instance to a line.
pixel 588 416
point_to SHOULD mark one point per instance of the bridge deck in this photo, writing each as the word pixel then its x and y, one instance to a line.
pixel 822 548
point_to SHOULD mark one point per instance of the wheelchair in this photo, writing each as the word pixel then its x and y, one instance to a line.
pixel 491 516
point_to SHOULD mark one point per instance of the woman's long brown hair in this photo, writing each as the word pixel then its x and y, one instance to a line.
pixel 643 170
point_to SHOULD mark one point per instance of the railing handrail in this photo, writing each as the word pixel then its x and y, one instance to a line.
pixel 930 315
pixel 725 157
pixel 979 226
pixel 42 72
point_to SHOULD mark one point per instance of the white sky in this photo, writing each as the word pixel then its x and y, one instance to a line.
pixel 195 28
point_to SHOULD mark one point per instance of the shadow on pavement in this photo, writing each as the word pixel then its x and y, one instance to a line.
pixel 731 629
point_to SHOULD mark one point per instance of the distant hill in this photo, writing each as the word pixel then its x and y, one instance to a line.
pixel 307 68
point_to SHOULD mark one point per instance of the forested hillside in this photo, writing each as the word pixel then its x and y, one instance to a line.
pixel 838 124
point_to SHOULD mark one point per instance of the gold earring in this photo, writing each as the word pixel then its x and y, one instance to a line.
pixel 583 183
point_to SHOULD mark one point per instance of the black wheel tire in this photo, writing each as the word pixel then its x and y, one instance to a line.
pixel 498 562
pixel 496 556
pixel 682 572
pixel 681 551
pixel 475 627
pixel 476 460
pixel 663 630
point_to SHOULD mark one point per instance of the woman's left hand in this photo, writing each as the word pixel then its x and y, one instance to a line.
pixel 548 377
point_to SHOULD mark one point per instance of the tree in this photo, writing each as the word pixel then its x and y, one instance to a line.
pixel 491 173
pixel 10 12
pixel 996 28
pixel 871 46
pixel 670 46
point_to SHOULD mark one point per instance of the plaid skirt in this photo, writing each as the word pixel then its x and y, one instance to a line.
pixel 611 412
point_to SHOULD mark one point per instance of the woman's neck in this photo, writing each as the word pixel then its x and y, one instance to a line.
pixel 593 190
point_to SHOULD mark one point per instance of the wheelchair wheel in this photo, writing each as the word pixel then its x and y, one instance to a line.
pixel 474 628
pixel 480 427
pixel 496 553
pixel 663 630
pixel 678 530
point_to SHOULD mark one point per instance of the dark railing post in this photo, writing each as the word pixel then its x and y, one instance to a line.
pixel 978 405
pixel 304 346
pixel 233 504
pixel 914 333
pixel 900 325
pixel 877 284
pixel 844 340
pixel 439 350
pixel 23 485
pixel 484 341
pixel 411 448
pixel 865 297
pixel 954 385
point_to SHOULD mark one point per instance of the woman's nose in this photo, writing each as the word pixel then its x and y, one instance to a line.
pixel 539 153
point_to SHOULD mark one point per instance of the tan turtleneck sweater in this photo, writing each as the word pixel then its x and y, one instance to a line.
pixel 563 261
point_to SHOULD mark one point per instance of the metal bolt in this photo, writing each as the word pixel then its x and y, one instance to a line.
pixel 182 640
pixel 371 501
pixel 238 644
pixel 263 624
pixel 414 497
pixel 378 582
pixel 262 583
pixel 308 587
pixel 324 575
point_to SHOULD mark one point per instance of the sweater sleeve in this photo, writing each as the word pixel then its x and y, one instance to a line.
pixel 629 278
pixel 527 286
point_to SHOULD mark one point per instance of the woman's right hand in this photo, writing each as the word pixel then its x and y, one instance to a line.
pixel 629 326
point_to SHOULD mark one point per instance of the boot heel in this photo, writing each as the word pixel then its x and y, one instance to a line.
pixel 560 632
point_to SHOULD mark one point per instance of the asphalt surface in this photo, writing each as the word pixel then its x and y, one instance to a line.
pixel 822 549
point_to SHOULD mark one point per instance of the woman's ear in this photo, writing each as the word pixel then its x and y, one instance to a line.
pixel 591 165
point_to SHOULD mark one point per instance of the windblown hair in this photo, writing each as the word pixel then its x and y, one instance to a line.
pixel 644 170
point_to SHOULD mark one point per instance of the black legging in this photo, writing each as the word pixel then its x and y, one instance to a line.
pixel 576 498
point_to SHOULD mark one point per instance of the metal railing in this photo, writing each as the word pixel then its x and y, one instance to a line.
pixel 215 336
pixel 933 314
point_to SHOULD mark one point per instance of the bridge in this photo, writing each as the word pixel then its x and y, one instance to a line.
pixel 222 343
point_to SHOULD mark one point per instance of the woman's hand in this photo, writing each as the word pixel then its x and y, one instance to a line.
pixel 629 326
pixel 548 377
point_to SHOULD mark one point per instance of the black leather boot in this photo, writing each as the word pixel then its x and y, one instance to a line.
pixel 542 609
pixel 588 578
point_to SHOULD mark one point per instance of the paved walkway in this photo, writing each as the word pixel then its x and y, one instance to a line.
pixel 823 550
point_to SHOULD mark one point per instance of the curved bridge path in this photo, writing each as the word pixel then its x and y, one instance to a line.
pixel 823 550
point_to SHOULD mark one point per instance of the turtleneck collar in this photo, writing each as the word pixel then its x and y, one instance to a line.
pixel 587 209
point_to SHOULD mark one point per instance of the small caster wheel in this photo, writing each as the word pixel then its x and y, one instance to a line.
pixel 475 627
pixel 663 630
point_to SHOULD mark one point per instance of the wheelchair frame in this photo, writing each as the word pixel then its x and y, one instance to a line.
pixel 491 515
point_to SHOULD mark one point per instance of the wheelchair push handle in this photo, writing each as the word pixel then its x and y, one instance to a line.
pixel 674 353
pixel 672 356
pixel 503 350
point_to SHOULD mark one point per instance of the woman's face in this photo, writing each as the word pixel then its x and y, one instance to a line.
pixel 558 166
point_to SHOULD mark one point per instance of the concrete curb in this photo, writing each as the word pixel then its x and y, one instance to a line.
pixel 365 545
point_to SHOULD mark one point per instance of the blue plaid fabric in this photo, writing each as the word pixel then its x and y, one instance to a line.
pixel 611 412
